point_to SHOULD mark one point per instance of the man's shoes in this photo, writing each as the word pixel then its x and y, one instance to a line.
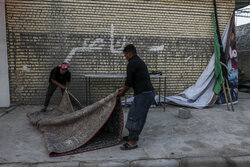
pixel 43 110
pixel 127 146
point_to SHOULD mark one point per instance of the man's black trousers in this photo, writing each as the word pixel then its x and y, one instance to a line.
pixel 50 91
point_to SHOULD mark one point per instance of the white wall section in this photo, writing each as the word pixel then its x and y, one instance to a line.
pixel 4 75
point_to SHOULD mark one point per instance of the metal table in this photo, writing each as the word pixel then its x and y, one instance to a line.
pixel 123 76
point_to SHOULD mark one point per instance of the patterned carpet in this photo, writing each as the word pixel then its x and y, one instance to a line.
pixel 71 128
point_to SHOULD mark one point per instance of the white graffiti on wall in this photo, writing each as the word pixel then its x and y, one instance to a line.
pixel 98 44
pixel 112 47
pixel 25 68
pixel 187 59
pixel 156 48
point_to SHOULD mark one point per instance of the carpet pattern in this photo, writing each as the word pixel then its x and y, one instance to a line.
pixel 71 128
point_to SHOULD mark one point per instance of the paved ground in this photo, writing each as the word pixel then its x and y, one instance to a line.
pixel 211 137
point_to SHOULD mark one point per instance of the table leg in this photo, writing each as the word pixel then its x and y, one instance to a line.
pixel 159 90
pixel 89 92
pixel 164 94
pixel 86 88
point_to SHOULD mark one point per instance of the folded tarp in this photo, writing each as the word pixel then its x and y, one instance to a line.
pixel 200 94
pixel 71 128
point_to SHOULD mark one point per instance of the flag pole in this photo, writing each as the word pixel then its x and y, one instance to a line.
pixel 230 97
pixel 223 60
pixel 225 94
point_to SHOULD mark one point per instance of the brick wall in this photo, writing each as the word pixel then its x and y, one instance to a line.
pixel 243 48
pixel 175 37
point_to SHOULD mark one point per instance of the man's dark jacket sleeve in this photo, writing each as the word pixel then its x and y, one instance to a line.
pixel 130 74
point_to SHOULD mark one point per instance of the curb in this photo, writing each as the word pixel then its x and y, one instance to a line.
pixel 242 161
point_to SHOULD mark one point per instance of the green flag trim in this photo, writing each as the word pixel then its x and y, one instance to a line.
pixel 219 79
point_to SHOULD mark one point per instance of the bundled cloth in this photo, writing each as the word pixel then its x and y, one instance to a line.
pixel 71 128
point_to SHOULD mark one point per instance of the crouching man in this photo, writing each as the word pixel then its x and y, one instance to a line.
pixel 59 77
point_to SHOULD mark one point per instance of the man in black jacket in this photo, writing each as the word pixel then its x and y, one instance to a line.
pixel 59 77
pixel 138 78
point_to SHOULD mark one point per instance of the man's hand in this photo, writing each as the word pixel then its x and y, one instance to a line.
pixel 123 90
pixel 63 87
pixel 120 93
